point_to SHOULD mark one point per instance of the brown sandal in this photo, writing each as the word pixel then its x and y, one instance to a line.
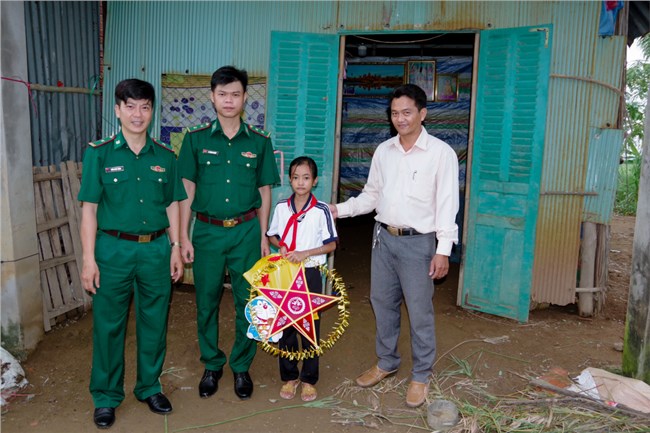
pixel 288 390
pixel 308 392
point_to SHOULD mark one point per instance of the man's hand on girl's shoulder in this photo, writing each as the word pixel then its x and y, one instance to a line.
pixel 334 210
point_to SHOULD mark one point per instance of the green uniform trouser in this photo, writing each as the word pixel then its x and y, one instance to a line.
pixel 215 248
pixel 127 267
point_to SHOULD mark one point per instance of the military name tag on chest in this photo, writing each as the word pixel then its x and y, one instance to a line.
pixel 115 169
pixel 211 152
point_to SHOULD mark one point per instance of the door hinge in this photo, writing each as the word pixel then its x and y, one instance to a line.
pixel 546 31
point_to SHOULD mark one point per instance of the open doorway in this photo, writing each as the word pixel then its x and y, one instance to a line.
pixel 440 63
pixel 312 113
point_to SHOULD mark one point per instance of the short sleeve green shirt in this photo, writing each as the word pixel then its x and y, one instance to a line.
pixel 132 191
pixel 227 172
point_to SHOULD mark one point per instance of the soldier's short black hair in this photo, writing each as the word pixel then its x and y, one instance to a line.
pixel 134 89
pixel 229 74
pixel 304 160
pixel 410 91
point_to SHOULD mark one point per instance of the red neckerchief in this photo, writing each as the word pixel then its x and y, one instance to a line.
pixel 293 223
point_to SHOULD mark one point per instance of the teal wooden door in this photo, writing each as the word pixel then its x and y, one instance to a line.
pixel 301 103
pixel 512 92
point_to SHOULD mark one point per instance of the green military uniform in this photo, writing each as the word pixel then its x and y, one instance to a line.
pixel 132 193
pixel 227 173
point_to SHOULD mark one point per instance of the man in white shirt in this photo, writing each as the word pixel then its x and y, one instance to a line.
pixel 413 187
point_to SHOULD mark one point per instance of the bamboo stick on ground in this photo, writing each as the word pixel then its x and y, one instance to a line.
pixel 599 403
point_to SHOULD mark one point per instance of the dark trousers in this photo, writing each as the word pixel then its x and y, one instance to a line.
pixel 289 341
pixel 215 248
pixel 129 269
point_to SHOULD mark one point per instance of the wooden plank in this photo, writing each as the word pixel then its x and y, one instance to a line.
pixel 45 249
pixel 56 89
pixel 48 301
pixel 602 256
pixel 53 224
pixel 46 313
pixel 57 261
pixel 51 200
pixel 65 308
pixel 587 268
pixel 43 176
pixel 599 403
pixel 64 243
pixel 72 240
pixel 74 182
pixel 58 219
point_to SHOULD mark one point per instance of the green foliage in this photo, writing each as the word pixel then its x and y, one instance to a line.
pixel 638 79
pixel 636 92
pixel 627 191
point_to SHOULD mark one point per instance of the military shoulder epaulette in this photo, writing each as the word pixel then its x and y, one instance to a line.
pixel 200 127
pixel 259 131
pixel 162 144
pixel 101 142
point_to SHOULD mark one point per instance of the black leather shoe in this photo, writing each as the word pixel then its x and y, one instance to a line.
pixel 104 417
pixel 209 382
pixel 243 385
pixel 158 403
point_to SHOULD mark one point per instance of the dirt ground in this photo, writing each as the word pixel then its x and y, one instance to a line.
pixel 57 399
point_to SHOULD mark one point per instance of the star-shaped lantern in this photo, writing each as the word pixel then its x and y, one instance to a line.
pixel 296 305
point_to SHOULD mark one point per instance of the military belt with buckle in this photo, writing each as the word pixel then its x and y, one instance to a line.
pixel 135 238
pixel 396 231
pixel 229 222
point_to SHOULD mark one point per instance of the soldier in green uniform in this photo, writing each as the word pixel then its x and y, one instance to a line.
pixel 227 167
pixel 130 238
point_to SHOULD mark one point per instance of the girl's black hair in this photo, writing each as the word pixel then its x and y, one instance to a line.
pixel 304 160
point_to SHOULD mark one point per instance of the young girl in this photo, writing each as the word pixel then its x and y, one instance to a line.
pixel 303 229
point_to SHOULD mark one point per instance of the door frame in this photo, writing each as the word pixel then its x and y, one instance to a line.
pixel 470 138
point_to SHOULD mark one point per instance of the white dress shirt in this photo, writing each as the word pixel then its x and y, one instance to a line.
pixel 315 228
pixel 416 189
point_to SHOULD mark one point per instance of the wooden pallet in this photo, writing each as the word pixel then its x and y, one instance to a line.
pixel 58 217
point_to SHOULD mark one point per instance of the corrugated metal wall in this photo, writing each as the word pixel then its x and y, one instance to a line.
pixel 576 104
pixel 148 39
pixel 602 173
pixel 63 51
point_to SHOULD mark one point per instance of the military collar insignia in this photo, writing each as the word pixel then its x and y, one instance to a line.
pixel 162 144
pixel 101 142
pixel 120 141
pixel 200 127
pixel 259 131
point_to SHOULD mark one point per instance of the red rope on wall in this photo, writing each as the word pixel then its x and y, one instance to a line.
pixel 29 91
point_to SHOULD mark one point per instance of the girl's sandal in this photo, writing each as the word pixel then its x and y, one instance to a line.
pixel 308 392
pixel 288 390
